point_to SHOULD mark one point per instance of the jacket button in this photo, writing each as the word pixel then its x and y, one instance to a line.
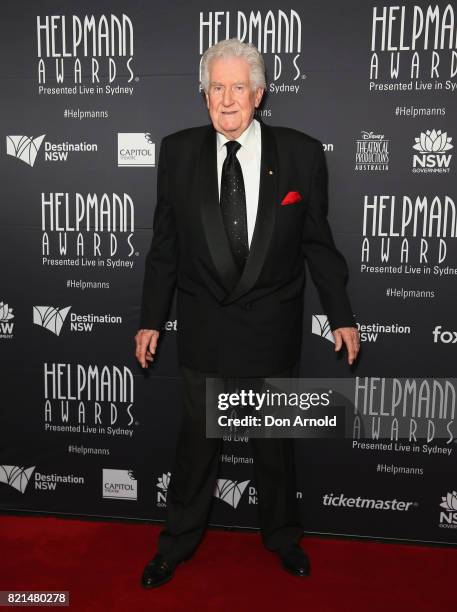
pixel 248 305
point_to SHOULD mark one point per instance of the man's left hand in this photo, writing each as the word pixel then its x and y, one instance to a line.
pixel 350 337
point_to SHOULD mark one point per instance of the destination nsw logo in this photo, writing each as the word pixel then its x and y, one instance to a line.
pixel 88 230
pixel 90 399
pixel 53 318
pixel 75 49
pixel 18 477
pixel 26 148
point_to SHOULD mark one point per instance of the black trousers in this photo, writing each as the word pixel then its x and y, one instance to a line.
pixel 194 475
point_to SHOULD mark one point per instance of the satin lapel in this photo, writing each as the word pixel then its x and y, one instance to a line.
pixel 213 223
pixel 265 219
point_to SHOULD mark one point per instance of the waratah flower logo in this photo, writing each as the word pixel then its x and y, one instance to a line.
pixel 6 313
pixel 164 481
pixel 450 501
pixel 433 142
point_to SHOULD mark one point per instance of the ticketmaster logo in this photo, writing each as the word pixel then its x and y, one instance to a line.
pixel 341 501
pixel 24 148
pixel 230 491
pixel 50 317
pixel 16 477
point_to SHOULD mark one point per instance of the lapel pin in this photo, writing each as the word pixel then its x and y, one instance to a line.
pixel 270 172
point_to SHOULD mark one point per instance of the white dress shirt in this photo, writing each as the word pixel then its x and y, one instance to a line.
pixel 249 157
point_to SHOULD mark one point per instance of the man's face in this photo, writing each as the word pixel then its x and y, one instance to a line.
pixel 231 101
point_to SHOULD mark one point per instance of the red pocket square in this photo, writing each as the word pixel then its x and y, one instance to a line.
pixel 291 198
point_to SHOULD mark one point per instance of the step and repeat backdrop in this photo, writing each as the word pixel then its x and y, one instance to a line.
pixel 88 91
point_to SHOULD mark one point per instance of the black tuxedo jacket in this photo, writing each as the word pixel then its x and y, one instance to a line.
pixel 249 325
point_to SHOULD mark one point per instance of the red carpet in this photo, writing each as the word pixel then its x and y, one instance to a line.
pixel 100 563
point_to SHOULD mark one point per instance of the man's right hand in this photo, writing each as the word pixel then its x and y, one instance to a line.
pixel 146 343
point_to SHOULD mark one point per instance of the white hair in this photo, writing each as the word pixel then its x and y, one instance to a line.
pixel 233 47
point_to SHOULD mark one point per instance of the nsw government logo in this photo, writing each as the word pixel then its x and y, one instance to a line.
pixel 6 323
pixel 162 485
pixel 432 146
pixel 136 150
pixel 448 519
pixel 119 484
pixel 372 153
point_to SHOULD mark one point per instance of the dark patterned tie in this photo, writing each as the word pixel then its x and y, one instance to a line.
pixel 233 204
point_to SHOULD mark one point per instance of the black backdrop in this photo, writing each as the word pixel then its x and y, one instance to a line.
pixel 83 430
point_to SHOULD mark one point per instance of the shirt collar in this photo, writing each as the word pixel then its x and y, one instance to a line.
pixel 246 139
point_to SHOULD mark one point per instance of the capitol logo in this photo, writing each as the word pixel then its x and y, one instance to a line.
pixel 432 146
pixel 119 484
pixel 136 150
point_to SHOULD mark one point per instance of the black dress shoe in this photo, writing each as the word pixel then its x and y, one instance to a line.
pixel 295 561
pixel 157 572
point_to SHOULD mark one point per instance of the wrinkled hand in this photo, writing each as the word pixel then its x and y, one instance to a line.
pixel 350 337
pixel 146 344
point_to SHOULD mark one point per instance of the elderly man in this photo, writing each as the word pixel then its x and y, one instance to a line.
pixel 240 207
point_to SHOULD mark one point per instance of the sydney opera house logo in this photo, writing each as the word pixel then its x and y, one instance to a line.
pixel 50 318
pixel 230 491
pixel 16 477
pixel 24 148
pixel 321 327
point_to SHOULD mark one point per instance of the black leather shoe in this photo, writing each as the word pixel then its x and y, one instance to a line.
pixel 295 561
pixel 157 572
